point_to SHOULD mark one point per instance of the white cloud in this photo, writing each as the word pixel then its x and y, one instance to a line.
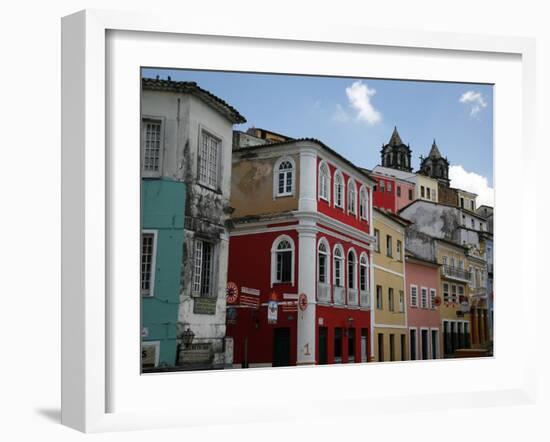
pixel 359 97
pixel 340 115
pixel 472 182
pixel 475 100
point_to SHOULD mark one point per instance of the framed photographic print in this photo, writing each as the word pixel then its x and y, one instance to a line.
pixel 318 202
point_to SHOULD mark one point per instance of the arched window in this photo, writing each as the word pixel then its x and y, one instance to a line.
pixel 323 262
pixel 352 270
pixel 282 261
pixel 338 190
pixel 338 266
pixel 352 197
pixel 284 177
pixel 324 181
pixel 364 273
pixel 403 160
pixel 363 204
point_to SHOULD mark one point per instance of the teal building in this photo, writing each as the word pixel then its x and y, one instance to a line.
pixel 162 235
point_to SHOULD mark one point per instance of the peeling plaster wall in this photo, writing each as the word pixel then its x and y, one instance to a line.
pixel 434 220
pixel 207 210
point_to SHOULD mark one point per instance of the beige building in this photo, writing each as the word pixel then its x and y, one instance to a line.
pixel 390 312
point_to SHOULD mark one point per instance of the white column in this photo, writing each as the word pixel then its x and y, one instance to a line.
pixel 306 350
pixel 308 180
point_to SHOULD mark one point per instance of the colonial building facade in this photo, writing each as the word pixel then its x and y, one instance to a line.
pixel 300 255
pixel 187 138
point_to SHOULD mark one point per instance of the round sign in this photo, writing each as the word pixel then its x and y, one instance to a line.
pixel 437 301
pixel 302 301
pixel 231 293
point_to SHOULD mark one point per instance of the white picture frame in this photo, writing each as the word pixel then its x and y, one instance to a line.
pixel 92 371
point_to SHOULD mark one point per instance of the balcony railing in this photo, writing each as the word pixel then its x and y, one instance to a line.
pixel 353 299
pixel 339 296
pixel 323 293
pixel 456 273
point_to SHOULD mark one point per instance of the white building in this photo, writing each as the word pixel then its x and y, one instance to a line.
pixel 187 136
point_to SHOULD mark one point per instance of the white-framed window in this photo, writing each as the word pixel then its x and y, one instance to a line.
pixel 352 269
pixel 389 187
pixel 148 261
pixel 435 343
pixel 382 186
pixel 150 354
pixel 203 276
pixel 338 189
pixel 401 301
pixel 423 297
pixel 377 236
pixel 324 181
pixel 445 260
pixel 453 293
pixel 152 136
pixel 363 203
pixel 379 302
pixel 323 260
pixel 364 273
pixel 209 159
pixel 446 297
pixel 282 260
pixel 414 296
pixel 284 177
pixel 432 298
pixel 399 250
pixel 352 197
pixel 338 266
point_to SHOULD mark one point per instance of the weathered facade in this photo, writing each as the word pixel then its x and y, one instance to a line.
pixel 187 137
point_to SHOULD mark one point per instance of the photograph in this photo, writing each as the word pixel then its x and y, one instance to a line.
pixel 291 220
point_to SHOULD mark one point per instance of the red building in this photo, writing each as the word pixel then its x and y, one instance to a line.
pixel 299 256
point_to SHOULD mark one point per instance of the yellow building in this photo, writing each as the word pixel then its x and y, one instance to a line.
pixel 455 306
pixel 477 291
pixel 426 188
pixel 389 305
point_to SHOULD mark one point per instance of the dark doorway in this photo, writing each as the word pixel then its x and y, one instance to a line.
pixel 323 341
pixel 381 347
pixel 425 344
pixel 281 347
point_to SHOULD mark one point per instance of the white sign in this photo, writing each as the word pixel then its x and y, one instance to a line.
pixel 250 291
pixel 272 310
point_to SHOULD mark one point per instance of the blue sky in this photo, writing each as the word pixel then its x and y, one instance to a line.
pixel 356 116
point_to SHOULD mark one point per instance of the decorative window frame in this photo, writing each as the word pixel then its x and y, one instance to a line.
pixel 93 375
pixel 328 274
pixel 416 303
pixel 153 232
pixel 328 184
pixel 367 272
pixel 213 269
pixel 276 166
pixel 342 205
pixel 355 270
pixel 352 203
pixel 363 191
pixel 204 130
pixel 162 121
pixel 343 270
pixel 274 251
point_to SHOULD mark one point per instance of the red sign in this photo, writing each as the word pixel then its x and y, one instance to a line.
pixel 302 301
pixel 231 293
pixel 437 301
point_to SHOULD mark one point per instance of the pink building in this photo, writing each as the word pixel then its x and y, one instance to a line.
pixel 423 300
pixel 404 193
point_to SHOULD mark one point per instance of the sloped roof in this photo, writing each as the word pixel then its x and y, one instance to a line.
pixel 395 139
pixel 191 87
